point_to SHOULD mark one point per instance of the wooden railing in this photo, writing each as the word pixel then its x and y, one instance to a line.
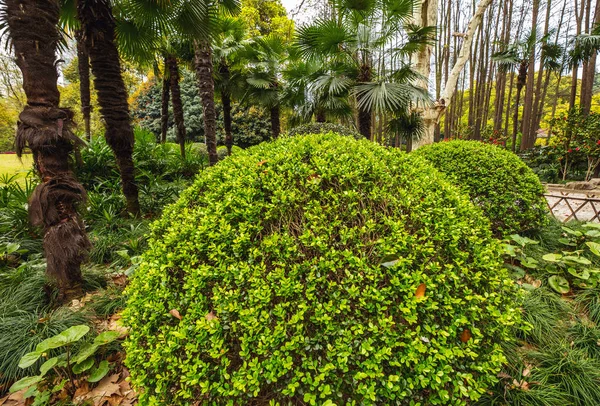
pixel 572 204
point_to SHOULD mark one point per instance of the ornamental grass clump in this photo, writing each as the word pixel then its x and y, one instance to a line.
pixel 508 191
pixel 319 270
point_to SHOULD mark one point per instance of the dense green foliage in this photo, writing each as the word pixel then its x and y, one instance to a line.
pixel 250 125
pixel 323 128
pixel 508 192
pixel 323 270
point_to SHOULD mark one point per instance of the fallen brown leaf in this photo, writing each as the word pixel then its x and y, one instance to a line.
pixel 465 335
pixel 175 313
pixel 210 316
pixel 420 292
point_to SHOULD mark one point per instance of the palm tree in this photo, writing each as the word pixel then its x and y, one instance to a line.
pixel 516 55
pixel 98 31
pixel 206 85
pixel 46 129
pixel 355 46
pixel 308 96
pixel 172 72
pixel 228 41
pixel 267 57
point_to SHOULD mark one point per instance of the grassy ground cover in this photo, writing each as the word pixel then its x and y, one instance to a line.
pixel 12 165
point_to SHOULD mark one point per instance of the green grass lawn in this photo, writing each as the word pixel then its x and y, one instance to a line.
pixel 10 165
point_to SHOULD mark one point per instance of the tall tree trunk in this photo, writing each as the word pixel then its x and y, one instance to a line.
pixel 522 81
pixel 83 65
pixel 587 86
pixel 164 108
pixel 46 129
pixel 432 114
pixel 527 141
pixel 539 92
pixel 364 116
pixel 575 66
pixel 226 101
pixel 275 121
pixel 206 85
pixel 176 101
pixel 98 28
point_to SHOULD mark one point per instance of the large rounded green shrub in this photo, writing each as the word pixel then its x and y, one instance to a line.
pixel 318 270
pixel 506 189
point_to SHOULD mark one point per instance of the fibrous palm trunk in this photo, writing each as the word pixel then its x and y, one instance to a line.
pixel 83 65
pixel 46 129
pixel 364 115
pixel 521 81
pixel 177 103
pixel 164 110
pixel 98 28
pixel 206 85
pixel 275 121
pixel 226 101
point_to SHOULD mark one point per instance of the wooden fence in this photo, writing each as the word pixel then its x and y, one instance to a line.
pixel 569 204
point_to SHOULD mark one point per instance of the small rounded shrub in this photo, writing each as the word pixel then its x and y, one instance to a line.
pixel 319 270
pixel 323 128
pixel 508 191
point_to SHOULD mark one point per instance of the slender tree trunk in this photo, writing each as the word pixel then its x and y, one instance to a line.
pixel 508 100
pixel 83 65
pixel 226 101
pixel 516 118
pixel 587 86
pixel 98 27
pixel 177 103
pixel 164 108
pixel 46 129
pixel 320 116
pixel 432 115
pixel 206 85
pixel 539 92
pixel 575 65
pixel 364 116
pixel 522 81
pixel 527 141
pixel 275 121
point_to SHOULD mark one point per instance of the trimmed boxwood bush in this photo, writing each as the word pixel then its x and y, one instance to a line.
pixel 323 128
pixel 508 191
pixel 319 270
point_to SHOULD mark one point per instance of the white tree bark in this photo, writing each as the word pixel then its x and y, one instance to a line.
pixel 432 114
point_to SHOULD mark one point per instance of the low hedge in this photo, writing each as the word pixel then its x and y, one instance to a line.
pixel 318 270
pixel 324 128
pixel 497 180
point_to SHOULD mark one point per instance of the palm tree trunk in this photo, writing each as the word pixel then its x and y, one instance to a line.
pixel 206 85
pixel 516 118
pixel 226 101
pixel 364 116
pixel 320 116
pixel 46 129
pixel 98 28
pixel 164 108
pixel 83 65
pixel 275 121
pixel 177 103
